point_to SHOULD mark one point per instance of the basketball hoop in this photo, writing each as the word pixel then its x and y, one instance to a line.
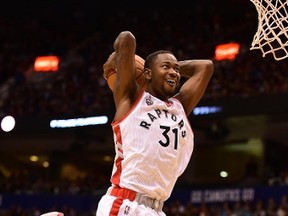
pixel 272 33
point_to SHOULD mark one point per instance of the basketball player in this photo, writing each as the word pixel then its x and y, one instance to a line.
pixel 152 134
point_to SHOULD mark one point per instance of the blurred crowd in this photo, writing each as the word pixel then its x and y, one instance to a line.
pixel 91 181
pixel 83 37
pixel 177 208
pixel 40 181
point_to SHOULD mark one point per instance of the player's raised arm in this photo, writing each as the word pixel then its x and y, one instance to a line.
pixel 125 90
pixel 198 73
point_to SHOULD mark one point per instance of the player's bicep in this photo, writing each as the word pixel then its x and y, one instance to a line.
pixel 125 89
pixel 125 76
pixel 192 91
pixel 125 46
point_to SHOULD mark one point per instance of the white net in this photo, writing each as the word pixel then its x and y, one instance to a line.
pixel 272 33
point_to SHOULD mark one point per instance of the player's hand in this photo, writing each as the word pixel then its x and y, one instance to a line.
pixel 110 65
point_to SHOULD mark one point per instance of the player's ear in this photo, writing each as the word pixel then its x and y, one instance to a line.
pixel 147 73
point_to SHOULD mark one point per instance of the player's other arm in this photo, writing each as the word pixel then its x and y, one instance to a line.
pixel 198 73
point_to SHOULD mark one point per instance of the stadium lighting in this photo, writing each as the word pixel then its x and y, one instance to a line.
pixel 78 122
pixel 8 123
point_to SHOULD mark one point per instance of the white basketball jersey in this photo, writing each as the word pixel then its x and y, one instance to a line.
pixel 153 145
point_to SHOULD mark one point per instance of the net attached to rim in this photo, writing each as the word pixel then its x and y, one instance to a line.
pixel 272 33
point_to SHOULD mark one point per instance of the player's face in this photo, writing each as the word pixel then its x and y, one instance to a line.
pixel 165 76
